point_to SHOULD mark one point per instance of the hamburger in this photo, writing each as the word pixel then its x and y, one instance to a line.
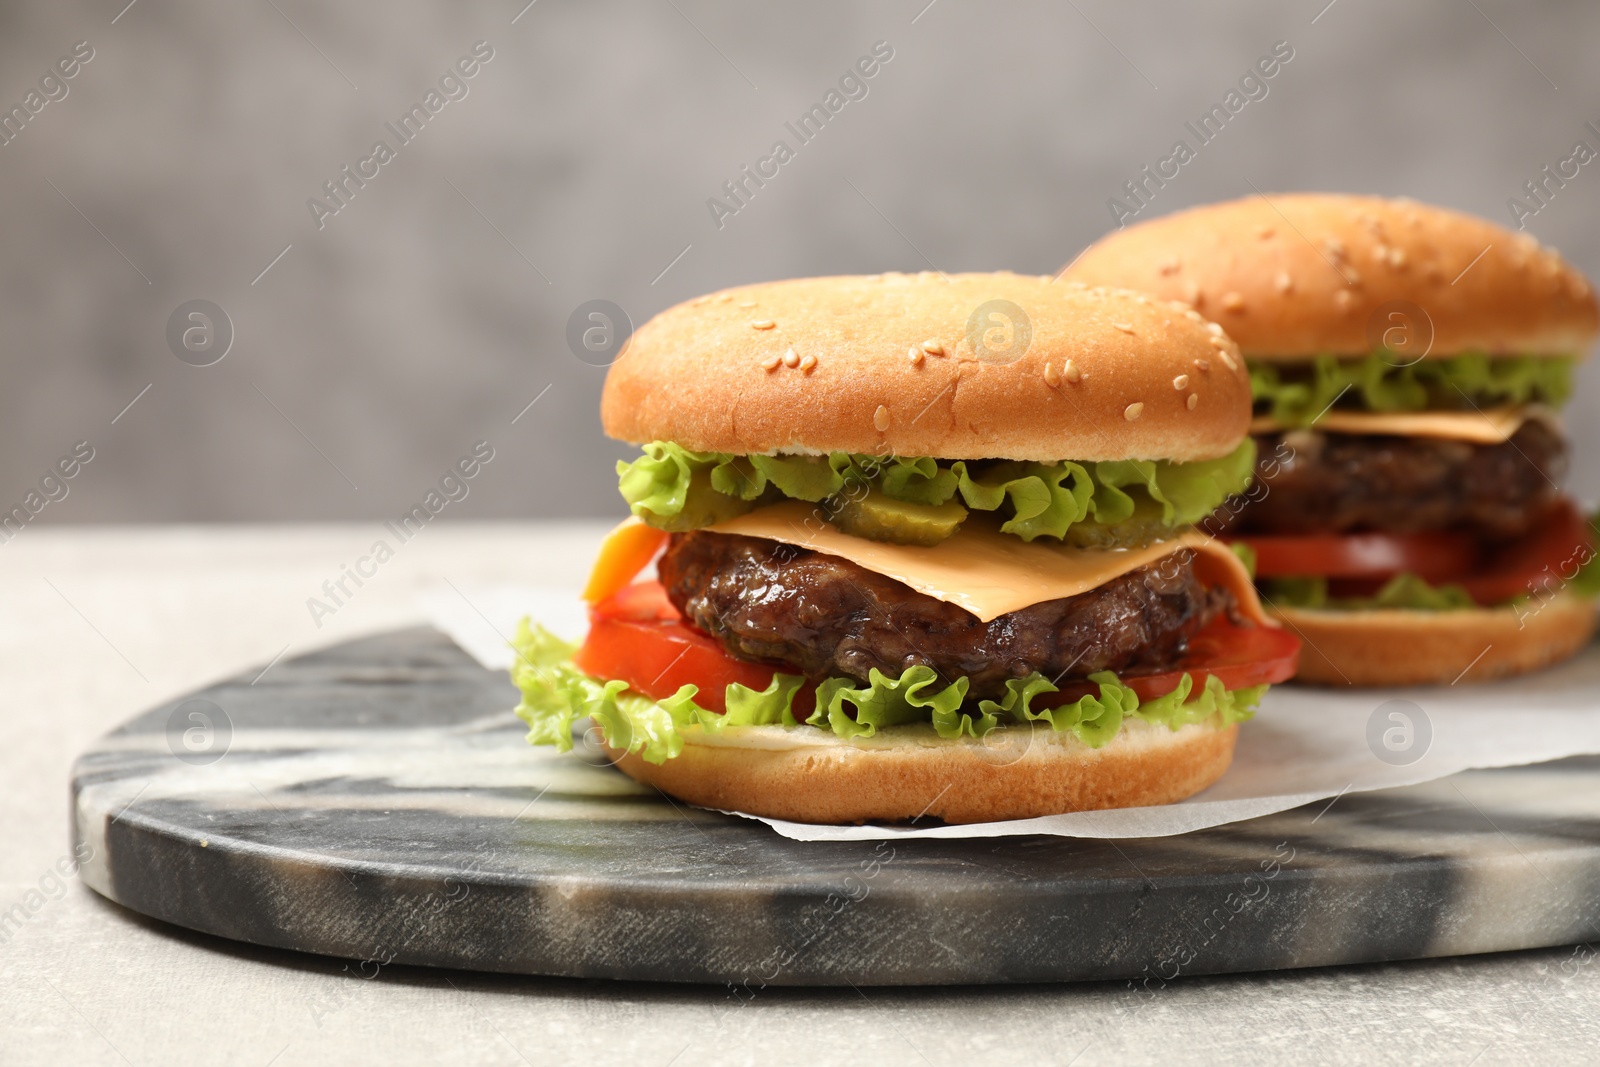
pixel 1406 363
pixel 923 546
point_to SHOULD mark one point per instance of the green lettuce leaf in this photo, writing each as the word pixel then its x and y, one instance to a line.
pixel 1295 397
pixel 556 694
pixel 885 701
pixel 1406 591
pixel 673 488
pixel 1586 582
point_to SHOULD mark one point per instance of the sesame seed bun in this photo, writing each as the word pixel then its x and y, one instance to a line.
pixel 1296 275
pixel 809 775
pixel 1393 647
pixel 886 365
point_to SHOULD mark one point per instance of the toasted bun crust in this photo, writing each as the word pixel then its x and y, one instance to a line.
pixel 1106 375
pixel 1016 773
pixel 1438 648
pixel 1291 276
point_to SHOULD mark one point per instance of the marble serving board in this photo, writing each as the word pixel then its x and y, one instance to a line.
pixel 375 801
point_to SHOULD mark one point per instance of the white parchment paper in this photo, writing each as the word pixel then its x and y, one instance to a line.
pixel 1305 743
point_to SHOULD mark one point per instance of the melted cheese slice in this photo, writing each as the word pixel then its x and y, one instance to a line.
pixel 990 573
pixel 1485 427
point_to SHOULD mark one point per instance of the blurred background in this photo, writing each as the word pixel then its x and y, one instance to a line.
pixel 369 343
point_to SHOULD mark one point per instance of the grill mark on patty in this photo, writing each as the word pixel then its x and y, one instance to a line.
pixel 823 616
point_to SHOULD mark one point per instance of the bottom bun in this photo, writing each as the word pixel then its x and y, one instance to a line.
pixel 1016 772
pixel 1397 647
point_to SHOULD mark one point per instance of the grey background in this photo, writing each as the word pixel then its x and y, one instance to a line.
pixel 431 310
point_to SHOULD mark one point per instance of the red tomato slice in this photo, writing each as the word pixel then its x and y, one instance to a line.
pixel 1435 556
pixel 1359 564
pixel 1548 556
pixel 1241 656
pixel 640 602
pixel 637 636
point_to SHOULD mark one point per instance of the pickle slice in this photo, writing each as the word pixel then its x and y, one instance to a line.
pixel 1143 527
pixel 882 518
pixel 702 506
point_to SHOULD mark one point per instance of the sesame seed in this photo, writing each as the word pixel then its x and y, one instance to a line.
pixel 770 364
pixel 1141 299
pixel 1194 398
pixel 1344 298
pixel 1133 411
pixel 1076 285
pixel 791 358
pixel 1285 283
pixel 1334 247
pixel 1125 327
pixel 933 348
pixel 1214 329
pixel 1397 258
pixel 1194 316
pixel 1352 276
pixel 880 418
pixel 747 303
pixel 808 364
pixel 1192 293
pixel 1070 371
pixel 1227 360
pixel 1232 301
pixel 1169 265
pixel 1219 342
pixel 1181 382
pixel 915 355
pixel 1052 377
pixel 723 298
pixel 1203 365
pixel 762 324
pixel 700 301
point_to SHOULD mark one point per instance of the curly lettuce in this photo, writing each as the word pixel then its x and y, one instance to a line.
pixel 556 694
pixel 673 488
pixel 1406 591
pixel 1295 395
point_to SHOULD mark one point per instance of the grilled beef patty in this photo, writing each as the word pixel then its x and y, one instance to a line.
pixel 823 616
pixel 1345 483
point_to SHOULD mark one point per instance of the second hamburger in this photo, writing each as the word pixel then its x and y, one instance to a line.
pixel 1407 363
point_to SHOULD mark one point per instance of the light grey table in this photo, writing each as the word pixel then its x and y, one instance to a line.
pixel 102 623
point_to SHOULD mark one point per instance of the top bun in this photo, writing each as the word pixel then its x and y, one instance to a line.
pixel 1298 275
pixel 964 366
